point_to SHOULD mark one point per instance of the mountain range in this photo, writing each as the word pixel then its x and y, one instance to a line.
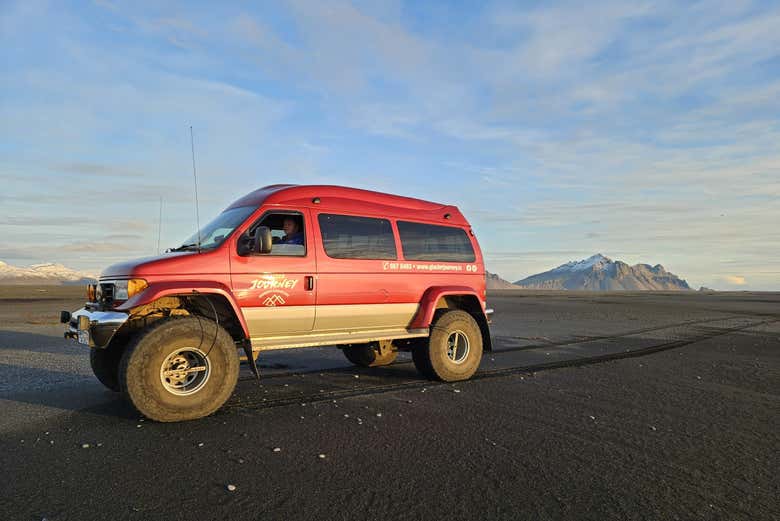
pixel 45 274
pixel 598 273
pixel 493 281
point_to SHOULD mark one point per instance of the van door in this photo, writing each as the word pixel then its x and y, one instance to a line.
pixel 276 291
pixel 356 290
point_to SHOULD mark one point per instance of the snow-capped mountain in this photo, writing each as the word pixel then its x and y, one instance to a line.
pixel 600 273
pixel 597 261
pixel 46 274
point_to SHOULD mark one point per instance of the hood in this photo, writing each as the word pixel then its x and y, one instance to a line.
pixel 174 263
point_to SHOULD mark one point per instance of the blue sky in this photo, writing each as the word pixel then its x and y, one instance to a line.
pixel 647 131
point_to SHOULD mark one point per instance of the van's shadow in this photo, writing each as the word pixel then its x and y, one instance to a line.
pixel 78 390
pixel 284 378
pixel 76 393
pixel 36 343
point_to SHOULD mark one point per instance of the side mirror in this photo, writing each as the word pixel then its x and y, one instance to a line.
pixel 259 243
pixel 263 241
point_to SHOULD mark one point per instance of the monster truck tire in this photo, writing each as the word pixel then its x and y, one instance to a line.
pixel 179 369
pixel 421 358
pixel 105 365
pixel 454 349
pixel 364 355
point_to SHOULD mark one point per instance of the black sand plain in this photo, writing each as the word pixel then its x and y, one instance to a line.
pixel 592 406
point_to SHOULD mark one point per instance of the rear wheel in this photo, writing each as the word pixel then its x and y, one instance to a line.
pixel 179 369
pixel 422 361
pixel 371 355
pixel 454 349
pixel 105 365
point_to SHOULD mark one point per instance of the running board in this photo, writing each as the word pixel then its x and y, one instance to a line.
pixel 329 339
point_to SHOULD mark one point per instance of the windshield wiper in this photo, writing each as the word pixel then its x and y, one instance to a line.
pixel 184 247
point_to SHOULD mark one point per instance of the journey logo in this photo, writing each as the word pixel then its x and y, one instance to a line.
pixel 274 285
pixel 274 282
pixel 274 300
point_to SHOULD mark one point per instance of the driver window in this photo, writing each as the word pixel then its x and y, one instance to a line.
pixel 287 232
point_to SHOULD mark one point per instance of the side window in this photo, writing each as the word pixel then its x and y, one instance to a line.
pixel 435 243
pixel 287 231
pixel 349 237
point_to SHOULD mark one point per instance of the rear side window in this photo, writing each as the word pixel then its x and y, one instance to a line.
pixel 349 237
pixel 435 243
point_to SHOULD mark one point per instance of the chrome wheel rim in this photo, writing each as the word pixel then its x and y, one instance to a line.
pixel 457 347
pixel 185 371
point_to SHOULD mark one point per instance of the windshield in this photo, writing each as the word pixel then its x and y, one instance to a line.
pixel 218 230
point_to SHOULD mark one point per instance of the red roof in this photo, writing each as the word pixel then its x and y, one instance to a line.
pixel 351 200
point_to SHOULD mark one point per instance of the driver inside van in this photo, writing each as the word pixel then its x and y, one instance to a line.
pixel 292 233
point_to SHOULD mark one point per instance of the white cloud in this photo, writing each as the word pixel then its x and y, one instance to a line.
pixel 649 128
pixel 561 37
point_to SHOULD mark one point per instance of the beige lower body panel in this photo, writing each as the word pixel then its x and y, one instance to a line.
pixel 279 320
pixel 355 317
pixel 334 338
pixel 286 326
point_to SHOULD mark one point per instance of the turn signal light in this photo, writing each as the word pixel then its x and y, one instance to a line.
pixel 125 289
pixel 135 286
pixel 91 292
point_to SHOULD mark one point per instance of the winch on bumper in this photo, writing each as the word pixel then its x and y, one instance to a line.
pixel 91 327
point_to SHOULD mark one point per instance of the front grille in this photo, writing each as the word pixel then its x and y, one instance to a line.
pixel 106 293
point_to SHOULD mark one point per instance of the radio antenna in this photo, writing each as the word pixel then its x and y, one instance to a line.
pixel 159 227
pixel 195 177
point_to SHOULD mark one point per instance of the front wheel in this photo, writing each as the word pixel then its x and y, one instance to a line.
pixel 454 349
pixel 179 369
pixel 105 365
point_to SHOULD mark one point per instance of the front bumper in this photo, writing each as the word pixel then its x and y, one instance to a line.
pixel 93 328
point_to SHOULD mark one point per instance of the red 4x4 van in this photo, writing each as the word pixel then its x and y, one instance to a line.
pixel 288 266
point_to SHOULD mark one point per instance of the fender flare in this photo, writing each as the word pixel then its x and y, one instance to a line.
pixel 431 297
pixel 158 290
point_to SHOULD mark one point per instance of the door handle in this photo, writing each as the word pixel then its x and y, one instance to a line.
pixel 309 282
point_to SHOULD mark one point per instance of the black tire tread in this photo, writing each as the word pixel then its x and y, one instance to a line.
pixel 421 355
pixel 105 365
pixel 422 361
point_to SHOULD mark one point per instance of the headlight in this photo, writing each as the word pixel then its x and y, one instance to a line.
pixel 125 289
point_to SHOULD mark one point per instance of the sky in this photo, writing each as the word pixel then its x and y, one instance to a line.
pixel 646 131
